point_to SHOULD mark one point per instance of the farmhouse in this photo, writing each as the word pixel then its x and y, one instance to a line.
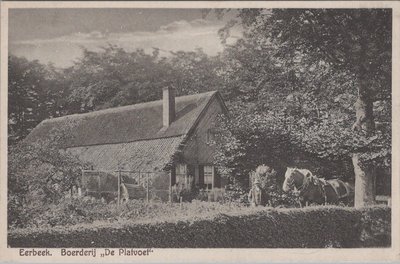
pixel 172 135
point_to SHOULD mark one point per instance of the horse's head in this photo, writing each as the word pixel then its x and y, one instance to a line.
pixel 294 178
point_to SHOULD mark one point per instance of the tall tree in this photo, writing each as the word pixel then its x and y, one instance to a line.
pixel 354 44
pixel 34 94
pixel 113 77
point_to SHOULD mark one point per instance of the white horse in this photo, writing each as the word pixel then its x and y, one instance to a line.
pixel 313 189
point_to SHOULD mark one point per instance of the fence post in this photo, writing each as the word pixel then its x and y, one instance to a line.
pixel 79 188
pixel 170 187
pixel 119 186
pixel 147 188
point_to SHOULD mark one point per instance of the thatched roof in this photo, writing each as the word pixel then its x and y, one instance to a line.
pixel 131 134
pixel 127 123
pixel 143 155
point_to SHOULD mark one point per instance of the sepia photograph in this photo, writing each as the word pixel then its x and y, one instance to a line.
pixel 137 129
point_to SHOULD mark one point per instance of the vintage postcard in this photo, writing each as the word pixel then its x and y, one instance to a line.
pixel 231 132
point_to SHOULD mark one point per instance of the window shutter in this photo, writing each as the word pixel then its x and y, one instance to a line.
pixel 190 170
pixel 173 176
pixel 190 173
pixel 217 178
pixel 201 176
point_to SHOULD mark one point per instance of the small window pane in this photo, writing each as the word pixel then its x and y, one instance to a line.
pixel 181 169
pixel 208 169
pixel 208 176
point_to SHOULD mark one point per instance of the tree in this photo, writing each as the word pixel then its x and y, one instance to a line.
pixel 114 77
pixel 26 82
pixel 195 72
pixel 35 93
pixel 101 79
pixel 353 44
pixel 39 173
pixel 247 140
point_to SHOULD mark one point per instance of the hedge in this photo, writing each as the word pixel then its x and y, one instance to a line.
pixel 312 227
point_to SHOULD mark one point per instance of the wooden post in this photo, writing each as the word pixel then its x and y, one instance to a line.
pixel 98 182
pixel 79 188
pixel 170 186
pixel 180 201
pixel 186 180
pixel 119 187
pixel 147 188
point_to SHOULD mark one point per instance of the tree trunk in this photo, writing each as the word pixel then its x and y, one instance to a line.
pixel 364 173
pixel 364 115
pixel 364 184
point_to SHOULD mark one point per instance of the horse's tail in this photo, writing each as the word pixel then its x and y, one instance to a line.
pixel 348 187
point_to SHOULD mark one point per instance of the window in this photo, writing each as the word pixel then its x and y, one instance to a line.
pixel 208 176
pixel 181 174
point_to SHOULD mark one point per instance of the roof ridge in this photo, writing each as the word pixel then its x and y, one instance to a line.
pixel 125 107
pixel 127 123
pixel 126 142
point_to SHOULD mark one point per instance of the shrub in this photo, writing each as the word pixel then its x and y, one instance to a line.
pixel 375 228
pixel 88 210
pixel 311 227
pixel 278 198
pixel 201 195
pixel 236 194
pixel 189 194
pixel 39 174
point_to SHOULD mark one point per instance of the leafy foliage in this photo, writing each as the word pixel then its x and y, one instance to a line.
pixel 313 227
pixel 88 210
pixel 114 77
pixel 298 72
pixel 39 174
pixel 101 79
pixel 34 95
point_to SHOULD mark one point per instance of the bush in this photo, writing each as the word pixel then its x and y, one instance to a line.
pixel 278 198
pixel 311 227
pixel 236 194
pixel 39 174
pixel 88 210
pixel 201 195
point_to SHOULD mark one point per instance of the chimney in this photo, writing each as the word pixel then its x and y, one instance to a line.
pixel 168 106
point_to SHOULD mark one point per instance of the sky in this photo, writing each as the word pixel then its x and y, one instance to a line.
pixel 58 35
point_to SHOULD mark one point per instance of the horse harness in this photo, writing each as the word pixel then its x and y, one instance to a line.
pixel 320 183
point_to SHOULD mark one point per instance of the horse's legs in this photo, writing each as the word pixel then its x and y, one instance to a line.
pixel 306 203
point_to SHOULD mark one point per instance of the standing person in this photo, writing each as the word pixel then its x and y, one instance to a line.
pixel 256 194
